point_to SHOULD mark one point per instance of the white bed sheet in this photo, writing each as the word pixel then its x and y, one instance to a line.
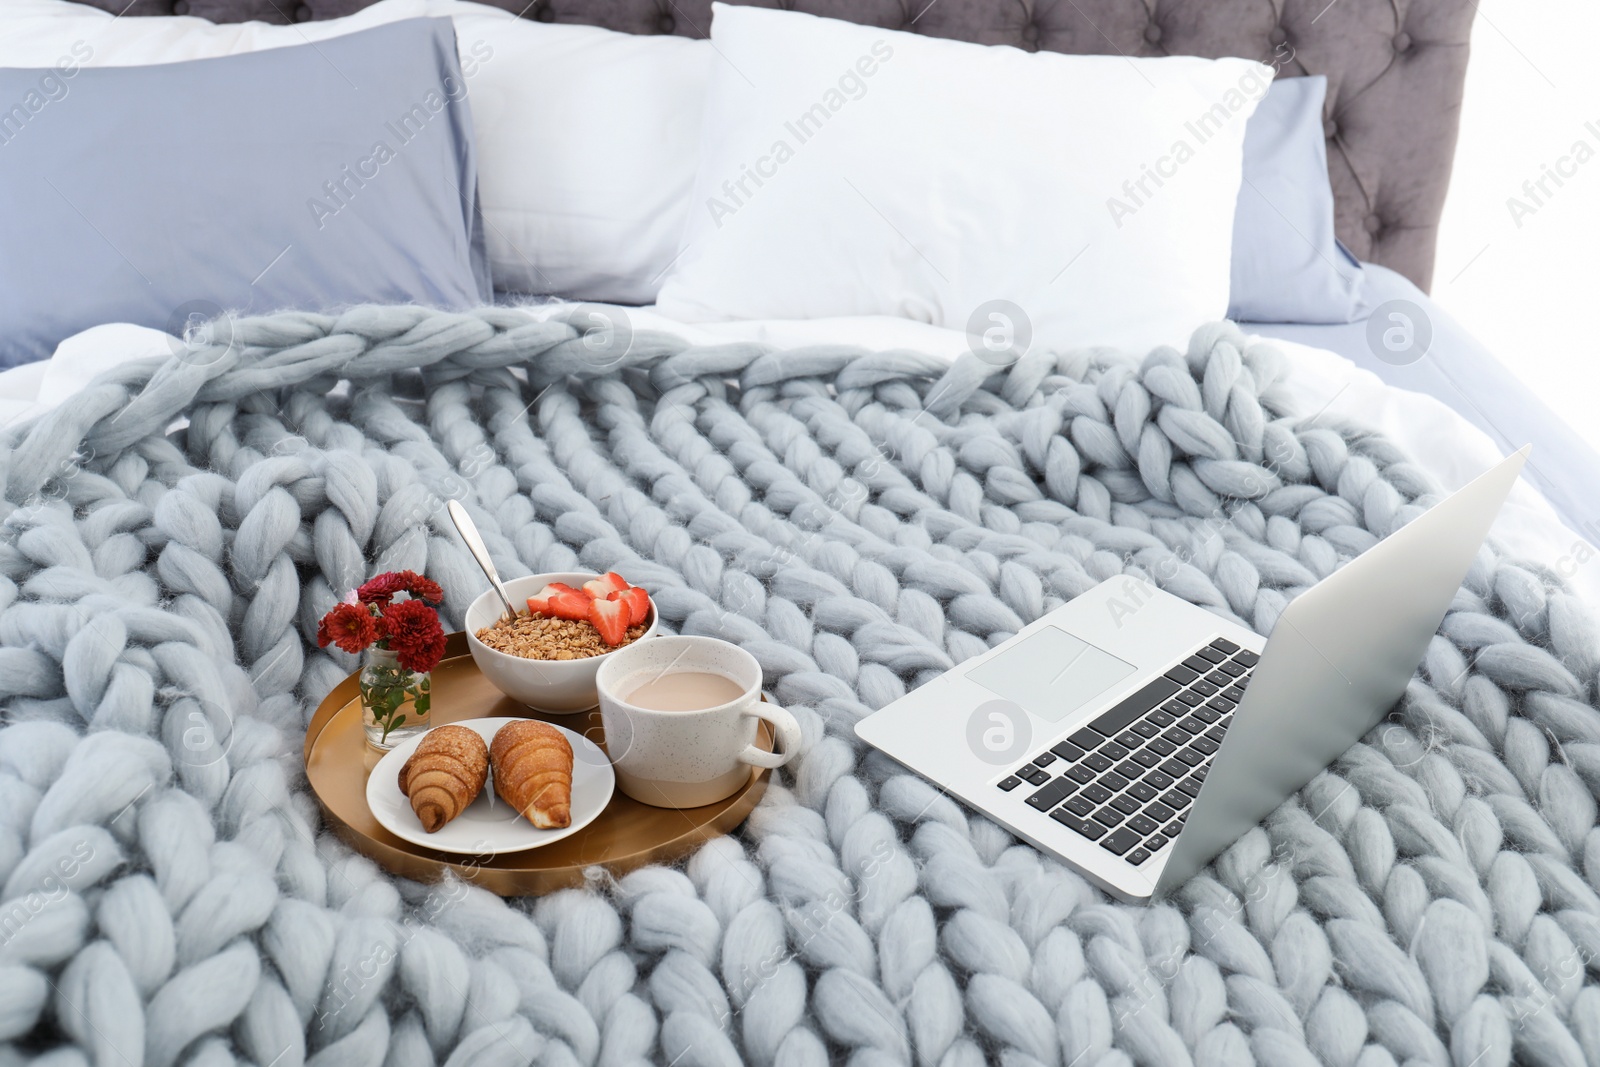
pixel 1452 449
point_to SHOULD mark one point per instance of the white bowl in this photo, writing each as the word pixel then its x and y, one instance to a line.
pixel 560 686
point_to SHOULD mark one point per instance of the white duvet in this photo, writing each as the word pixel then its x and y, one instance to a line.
pixel 1447 445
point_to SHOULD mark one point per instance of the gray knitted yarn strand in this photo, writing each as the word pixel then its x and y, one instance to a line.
pixel 860 522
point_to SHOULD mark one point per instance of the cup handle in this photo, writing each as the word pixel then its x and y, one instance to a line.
pixel 783 725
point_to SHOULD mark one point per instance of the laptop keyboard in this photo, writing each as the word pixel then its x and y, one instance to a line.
pixel 1127 779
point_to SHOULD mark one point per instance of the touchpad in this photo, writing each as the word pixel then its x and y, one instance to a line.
pixel 1050 673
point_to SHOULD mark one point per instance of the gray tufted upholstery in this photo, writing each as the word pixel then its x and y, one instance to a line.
pixel 1394 67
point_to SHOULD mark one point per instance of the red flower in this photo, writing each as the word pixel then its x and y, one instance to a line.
pixel 382 589
pixel 412 631
pixel 350 626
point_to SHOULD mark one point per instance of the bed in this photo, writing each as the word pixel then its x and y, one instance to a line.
pixel 178 522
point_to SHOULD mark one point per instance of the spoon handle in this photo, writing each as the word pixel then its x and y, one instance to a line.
pixel 480 551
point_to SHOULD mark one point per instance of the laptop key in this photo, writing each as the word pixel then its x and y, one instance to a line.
pixel 1212 655
pixel 1036 776
pixel 1142 791
pixel 1219 704
pixel 1190 786
pixel 1193 723
pixel 1218 679
pixel 1067 751
pixel 1086 739
pixel 1097 793
pixel 1137 856
pixel 1205 745
pixel 1199 773
pixel 1113 751
pixel 1128 740
pixel 1160 779
pixel 1113 781
pixel 1044 759
pixel 1156 843
pixel 1222 644
pixel 1190 756
pixel 1173 767
pixel 1109 816
pixel 1174 799
pixel 1087 827
pixel 1203 688
pixel 1145 728
pixel 1172 829
pixel 1129 769
pixel 1196 664
pixel 1132 707
pixel 1231 669
pixel 1217 732
pixel 1125 804
pixel 1161 746
pixel 1174 736
pixel 1234 693
pixel 1208 714
pixel 1248 659
pixel 1081 774
pixel 1161 718
pixel 1009 782
pixel 1143 825
pixel 1183 675
pixel 1095 761
pixel 1120 841
pixel 1052 794
pixel 1159 812
pixel 1080 806
pixel 1146 757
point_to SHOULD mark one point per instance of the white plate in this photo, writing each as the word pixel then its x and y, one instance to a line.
pixel 489 825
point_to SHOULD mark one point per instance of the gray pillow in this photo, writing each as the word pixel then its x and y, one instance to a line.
pixel 1287 264
pixel 310 177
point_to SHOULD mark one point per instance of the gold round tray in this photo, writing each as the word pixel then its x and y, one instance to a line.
pixel 627 834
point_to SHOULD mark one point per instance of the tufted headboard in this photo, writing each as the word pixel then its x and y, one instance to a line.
pixel 1395 70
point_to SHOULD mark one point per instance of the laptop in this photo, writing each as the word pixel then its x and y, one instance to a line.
pixel 1134 736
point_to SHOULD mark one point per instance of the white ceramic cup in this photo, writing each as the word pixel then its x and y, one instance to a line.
pixel 685 759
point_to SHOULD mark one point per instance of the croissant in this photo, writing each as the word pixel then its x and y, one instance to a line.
pixel 533 772
pixel 444 774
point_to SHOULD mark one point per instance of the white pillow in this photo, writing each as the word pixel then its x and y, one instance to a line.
pixel 849 170
pixel 586 138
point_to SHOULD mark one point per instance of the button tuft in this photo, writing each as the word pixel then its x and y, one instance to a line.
pixel 1278 36
pixel 1152 33
pixel 302 13
pixel 181 7
pixel 666 24
pixel 1374 224
pixel 1402 41
pixel 1030 33
pixel 1330 129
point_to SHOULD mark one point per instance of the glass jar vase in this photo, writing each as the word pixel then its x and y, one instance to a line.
pixel 394 701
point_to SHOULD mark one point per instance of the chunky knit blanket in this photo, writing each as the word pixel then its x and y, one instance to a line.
pixel 860 522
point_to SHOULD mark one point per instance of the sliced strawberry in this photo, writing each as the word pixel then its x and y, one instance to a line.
pixel 539 603
pixel 610 617
pixel 638 602
pixel 572 604
pixel 603 586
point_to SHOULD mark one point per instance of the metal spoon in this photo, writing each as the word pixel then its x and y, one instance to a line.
pixel 480 552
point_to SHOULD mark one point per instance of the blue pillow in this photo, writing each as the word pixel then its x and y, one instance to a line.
pixel 1287 264
pixel 310 177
